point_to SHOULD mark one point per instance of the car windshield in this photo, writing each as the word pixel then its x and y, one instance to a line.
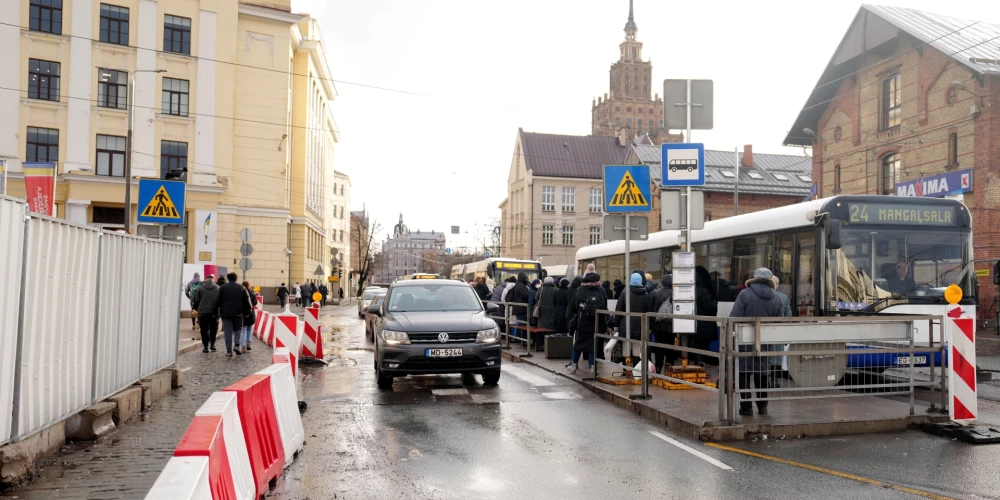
pixel 432 297
pixel 371 294
pixel 377 301
pixel 900 264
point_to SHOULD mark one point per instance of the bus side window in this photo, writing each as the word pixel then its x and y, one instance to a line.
pixel 805 288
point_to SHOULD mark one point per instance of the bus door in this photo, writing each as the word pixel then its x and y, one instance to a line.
pixel 794 265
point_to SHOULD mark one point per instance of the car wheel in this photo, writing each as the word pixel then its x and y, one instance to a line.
pixel 491 378
pixel 384 381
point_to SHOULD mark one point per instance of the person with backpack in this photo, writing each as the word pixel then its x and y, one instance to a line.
pixel 249 319
pixel 589 299
pixel 189 291
pixel 639 303
pixel 661 330
pixel 757 300
pixel 206 303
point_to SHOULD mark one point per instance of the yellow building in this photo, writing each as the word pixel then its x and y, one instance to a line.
pixel 234 97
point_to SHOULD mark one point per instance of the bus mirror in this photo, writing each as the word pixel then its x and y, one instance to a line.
pixel 833 234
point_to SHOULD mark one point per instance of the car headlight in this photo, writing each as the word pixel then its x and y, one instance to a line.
pixel 488 336
pixel 395 338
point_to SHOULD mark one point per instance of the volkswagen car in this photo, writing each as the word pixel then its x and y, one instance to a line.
pixel 366 299
pixel 371 320
pixel 434 326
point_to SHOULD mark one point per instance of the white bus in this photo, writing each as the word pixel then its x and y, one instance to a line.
pixel 498 269
pixel 896 255
pixel 419 276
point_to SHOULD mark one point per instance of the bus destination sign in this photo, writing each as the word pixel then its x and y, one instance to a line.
pixel 900 214
pixel 517 265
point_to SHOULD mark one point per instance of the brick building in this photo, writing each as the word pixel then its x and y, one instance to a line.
pixel 409 252
pixel 764 180
pixel 628 106
pixel 908 99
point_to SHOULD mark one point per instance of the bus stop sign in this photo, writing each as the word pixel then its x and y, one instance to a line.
pixel 682 164
pixel 627 189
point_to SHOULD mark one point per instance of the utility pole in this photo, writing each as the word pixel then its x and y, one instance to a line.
pixel 128 143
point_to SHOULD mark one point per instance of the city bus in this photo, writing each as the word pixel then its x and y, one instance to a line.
pixel 839 255
pixel 498 269
pixel 420 276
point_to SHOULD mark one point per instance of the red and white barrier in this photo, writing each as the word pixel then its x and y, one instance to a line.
pixel 962 360
pixel 224 405
pixel 258 322
pixel 183 477
pixel 286 404
pixel 267 334
pixel 256 406
pixel 312 340
pixel 287 330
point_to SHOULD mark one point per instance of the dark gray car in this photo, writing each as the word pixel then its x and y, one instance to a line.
pixel 434 327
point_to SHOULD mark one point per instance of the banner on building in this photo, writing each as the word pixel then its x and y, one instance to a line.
pixel 206 232
pixel 40 186
pixel 3 176
pixel 948 184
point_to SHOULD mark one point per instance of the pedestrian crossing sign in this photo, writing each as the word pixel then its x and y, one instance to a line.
pixel 626 188
pixel 161 202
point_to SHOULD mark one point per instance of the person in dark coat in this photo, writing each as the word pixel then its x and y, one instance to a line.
pixel 607 288
pixel 532 293
pixel 706 304
pixel 519 295
pixel 639 303
pixel 546 299
pixel 234 304
pixel 206 303
pixel 482 290
pixel 583 320
pixel 619 288
pixel 249 319
pixel 324 291
pixel 662 329
pixel 282 293
pixel 560 303
pixel 757 300
pixel 650 286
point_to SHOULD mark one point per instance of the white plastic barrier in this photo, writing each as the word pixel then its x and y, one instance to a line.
pixel 11 252
pixel 286 407
pixel 119 313
pixel 160 304
pixel 224 404
pixel 184 478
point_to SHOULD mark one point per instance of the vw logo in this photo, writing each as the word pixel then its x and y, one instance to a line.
pixel 442 337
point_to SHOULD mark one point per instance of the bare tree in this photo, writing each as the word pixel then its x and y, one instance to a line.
pixel 363 234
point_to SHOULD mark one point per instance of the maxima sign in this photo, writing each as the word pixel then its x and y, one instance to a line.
pixel 950 183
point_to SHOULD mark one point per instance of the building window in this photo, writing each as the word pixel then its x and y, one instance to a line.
pixel 837 134
pixel 892 101
pixel 595 235
pixel 43 80
pixel 547 235
pixel 567 235
pixel 836 178
pixel 45 15
pixel 628 122
pixel 618 120
pixel 43 144
pixel 639 121
pixel 111 155
pixel 595 200
pixel 108 215
pixel 568 199
pixel 890 173
pixel 112 89
pixel 175 96
pixel 548 198
pixel 953 148
pixel 951 96
pixel 173 159
pixel 114 24
pixel 341 235
pixel 176 34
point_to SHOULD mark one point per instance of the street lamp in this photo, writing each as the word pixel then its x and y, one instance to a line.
pixel 128 145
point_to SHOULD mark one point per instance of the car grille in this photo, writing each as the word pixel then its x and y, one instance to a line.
pixel 432 337
pixel 462 363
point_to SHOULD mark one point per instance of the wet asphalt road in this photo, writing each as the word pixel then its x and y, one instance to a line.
pixel 538 435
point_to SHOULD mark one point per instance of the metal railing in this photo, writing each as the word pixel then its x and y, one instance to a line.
pixel 84 313
pixel 822 357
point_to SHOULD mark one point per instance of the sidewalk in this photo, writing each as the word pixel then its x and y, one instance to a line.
pixel 126 463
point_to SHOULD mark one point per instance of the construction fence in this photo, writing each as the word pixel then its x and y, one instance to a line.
pixel 84 313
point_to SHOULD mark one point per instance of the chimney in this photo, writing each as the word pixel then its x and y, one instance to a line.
pixel 748 155
pixel 623 136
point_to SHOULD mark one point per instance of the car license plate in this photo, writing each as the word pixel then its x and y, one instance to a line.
pixel 917 360
pixel 444 353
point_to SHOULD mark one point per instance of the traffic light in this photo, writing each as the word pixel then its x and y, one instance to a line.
pixel 340 273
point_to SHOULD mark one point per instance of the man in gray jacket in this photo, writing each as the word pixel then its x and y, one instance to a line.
pixel 206 303
pixel 757 300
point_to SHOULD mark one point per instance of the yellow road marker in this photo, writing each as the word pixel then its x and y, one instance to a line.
pixel 831 472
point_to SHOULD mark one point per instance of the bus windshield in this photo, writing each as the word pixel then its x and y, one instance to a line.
pixel 880 264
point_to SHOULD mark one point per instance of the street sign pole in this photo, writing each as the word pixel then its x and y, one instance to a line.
pixel 687 190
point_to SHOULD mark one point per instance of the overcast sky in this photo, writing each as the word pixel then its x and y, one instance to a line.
pixel 483 69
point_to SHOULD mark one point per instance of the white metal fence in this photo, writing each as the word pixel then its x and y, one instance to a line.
pixel 84 313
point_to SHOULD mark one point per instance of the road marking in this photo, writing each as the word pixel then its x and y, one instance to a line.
pixel 831 472
pixel 692 451
pixel 450 392
pixel 185 369
pixel 560 395
pixel 532 379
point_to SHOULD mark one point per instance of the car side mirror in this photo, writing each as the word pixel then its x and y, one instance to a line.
pixel 376 310
pixel 833 234
pixel 490 307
